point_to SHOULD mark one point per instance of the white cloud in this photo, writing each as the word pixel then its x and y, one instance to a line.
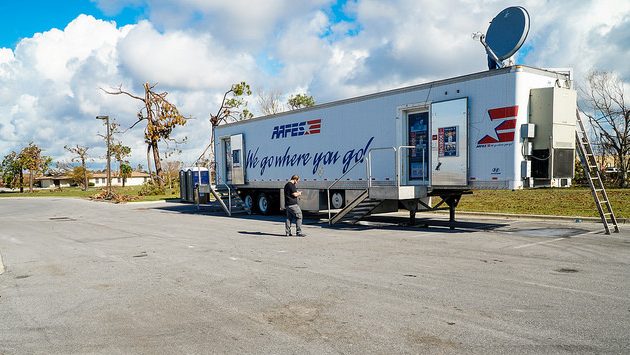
pixel 240 22
pixel 50 91
pixel 195 49
pixel 181 60
pixel 588 35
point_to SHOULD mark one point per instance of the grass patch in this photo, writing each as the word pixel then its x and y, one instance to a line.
pixel 575 201
pixel 76 192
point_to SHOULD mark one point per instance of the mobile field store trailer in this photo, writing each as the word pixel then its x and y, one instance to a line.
pixel 509 128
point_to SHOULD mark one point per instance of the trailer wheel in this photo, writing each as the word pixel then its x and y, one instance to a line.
pixel 337 200
pixel 248 200
pixel 264 204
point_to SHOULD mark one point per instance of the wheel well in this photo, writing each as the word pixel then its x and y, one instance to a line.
pixel 272 194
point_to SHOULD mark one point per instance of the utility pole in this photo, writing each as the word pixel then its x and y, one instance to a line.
pixel 109 169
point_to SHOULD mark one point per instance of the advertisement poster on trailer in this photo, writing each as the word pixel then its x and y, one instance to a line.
pixel 447 142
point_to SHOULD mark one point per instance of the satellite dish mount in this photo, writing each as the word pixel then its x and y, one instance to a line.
pixel 505 35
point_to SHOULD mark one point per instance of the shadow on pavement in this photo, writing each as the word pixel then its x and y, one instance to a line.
pixel 262 234
pixel 372 222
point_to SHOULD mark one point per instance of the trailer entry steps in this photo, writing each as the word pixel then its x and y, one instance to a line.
pixel 229 200
pixel 360 207
pixel 589 164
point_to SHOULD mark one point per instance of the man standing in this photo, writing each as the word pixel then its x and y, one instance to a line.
pixel 293 210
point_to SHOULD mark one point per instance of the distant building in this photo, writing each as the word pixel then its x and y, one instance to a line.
pixel 137 178
pixel 97 180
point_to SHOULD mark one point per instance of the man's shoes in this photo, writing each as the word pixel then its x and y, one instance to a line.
pixel 300 235
pixel 288 235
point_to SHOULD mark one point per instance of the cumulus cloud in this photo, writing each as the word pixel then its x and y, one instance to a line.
pixel 589 35
pixel 195 49
pixel 39 102
pixel 181 60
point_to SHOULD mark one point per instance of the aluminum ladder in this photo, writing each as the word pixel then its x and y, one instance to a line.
pixel 589 164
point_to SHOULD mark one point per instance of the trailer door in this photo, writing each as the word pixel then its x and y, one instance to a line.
pixel 236 156
pixel 449 153
pixel 225 175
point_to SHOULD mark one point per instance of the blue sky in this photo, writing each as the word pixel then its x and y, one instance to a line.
pixel 196 49
pixel 22 19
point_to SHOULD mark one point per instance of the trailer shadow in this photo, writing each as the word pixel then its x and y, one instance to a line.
pixel 372 222
pixel 262 234
pixel 424 224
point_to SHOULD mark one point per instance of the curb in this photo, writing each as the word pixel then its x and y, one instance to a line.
pixel 535 216
pixel 146 202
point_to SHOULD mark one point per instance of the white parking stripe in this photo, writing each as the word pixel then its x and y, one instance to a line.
pixel 1 265
pixel 545 242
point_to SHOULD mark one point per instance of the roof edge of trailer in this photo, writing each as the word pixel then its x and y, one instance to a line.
pixel 487 73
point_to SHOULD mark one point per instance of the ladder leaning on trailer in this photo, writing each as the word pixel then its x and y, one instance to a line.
pixel 591 170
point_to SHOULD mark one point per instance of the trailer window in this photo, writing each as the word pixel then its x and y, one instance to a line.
pixel 236 158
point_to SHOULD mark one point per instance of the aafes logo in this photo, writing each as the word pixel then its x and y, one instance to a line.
pixel 505 118
pixel 297 129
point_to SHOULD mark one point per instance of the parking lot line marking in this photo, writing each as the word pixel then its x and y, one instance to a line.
pixel 576 291
pixel 532 244
pixel 1 265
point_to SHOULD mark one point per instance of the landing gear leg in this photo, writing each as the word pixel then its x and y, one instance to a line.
pixel 412 207
pixel 451 216
pixel 452 201
pixel 412 213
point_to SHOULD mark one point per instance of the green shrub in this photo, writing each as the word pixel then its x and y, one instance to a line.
pixel 150 188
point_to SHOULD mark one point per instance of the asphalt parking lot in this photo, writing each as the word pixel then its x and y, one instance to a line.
pixel 90 277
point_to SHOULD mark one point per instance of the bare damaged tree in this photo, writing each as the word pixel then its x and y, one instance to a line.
pixel 81 156
pixel 269 102
pixel 34 161
pixel 172 167
pixel 233 108
pixel 609 116
pixel 161 117
pixel 61 168
pixel 120 152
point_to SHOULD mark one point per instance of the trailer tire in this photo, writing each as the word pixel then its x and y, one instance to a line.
pixel 263 204
pixel 248 201
pixel 337 200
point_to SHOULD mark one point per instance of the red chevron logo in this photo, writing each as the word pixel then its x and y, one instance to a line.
pixel 504 131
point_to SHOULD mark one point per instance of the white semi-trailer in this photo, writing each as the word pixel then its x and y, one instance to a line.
pixel 509 128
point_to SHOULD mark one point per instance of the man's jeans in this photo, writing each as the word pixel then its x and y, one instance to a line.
pixel 293 213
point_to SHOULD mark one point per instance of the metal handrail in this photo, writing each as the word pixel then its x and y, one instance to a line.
pixel 424 167
pixel 229 197
pixel 369 163
pixel 400 148
pixel 368 166
pixel 198 202
pixel 335 182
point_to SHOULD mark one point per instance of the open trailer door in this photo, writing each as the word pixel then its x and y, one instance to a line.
pixel 449 147
pixel 236 154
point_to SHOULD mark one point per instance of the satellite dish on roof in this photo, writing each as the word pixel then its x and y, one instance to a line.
pixel 505 36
